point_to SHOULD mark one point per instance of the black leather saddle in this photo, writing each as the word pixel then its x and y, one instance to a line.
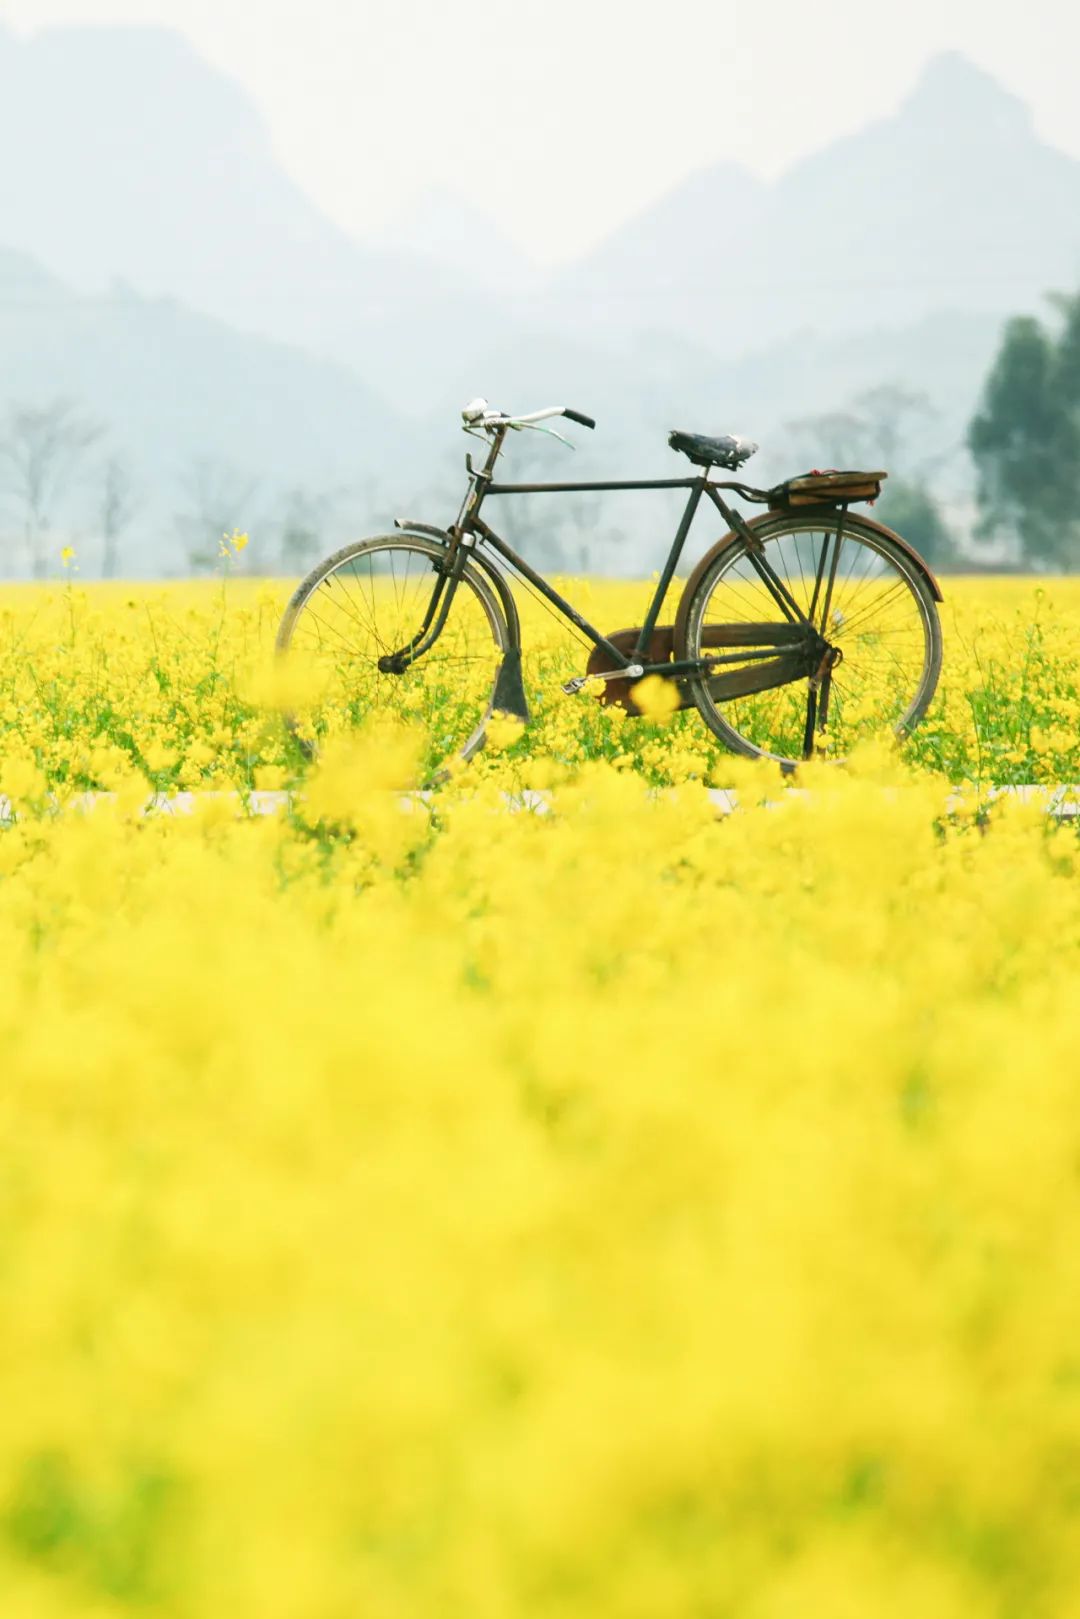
pixel 729 451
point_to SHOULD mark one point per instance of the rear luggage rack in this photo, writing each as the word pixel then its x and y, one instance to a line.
pixel 831 488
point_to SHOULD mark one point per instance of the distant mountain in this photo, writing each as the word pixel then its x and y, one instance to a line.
pixel 182 285
pixel 443 228
pixel 136 159
pixel 952 202
pixel 641 387
pixel 641 272
pixel 173 387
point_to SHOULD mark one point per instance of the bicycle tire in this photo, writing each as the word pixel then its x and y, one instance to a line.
pixel 442 690
pixel 765 724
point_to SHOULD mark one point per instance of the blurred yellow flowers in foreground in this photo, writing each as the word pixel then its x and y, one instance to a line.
pixel 597 1214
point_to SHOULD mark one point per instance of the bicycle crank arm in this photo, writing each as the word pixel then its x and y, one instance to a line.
pixel 633 671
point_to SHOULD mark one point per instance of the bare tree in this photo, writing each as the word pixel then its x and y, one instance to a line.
pixel 217 500
pixel 890 414
pixel 117 505
pixel 836 438
pixel 877 426
pixel 553 535
pixel 41 447
pixel 303 524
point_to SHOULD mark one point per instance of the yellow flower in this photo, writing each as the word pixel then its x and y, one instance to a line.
pixel 656 698
pixel 586 1186
pixel 503 730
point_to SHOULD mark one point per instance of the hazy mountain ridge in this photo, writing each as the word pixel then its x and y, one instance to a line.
pixel 161 170
pixel 136 159
pixel 730 303
pixel 175 388
pixel 441 226
pixel 950 202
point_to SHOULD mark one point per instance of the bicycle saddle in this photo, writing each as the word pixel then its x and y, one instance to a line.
pixel 730 451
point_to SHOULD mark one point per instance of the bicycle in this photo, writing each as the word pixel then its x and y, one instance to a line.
pixel 783 651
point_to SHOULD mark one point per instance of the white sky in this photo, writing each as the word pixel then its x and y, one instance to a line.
pixel 563 117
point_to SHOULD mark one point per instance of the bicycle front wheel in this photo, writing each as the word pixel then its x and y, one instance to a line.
pixel 369 601
pixel 865 595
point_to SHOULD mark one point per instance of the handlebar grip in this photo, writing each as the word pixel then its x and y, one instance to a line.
pixel 576 416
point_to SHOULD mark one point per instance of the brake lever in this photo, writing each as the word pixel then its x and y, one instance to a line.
pixel 536 427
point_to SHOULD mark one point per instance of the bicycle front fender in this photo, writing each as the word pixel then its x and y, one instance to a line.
pixel 496 578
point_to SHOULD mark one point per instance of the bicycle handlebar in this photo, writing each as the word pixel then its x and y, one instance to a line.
pixel 478 413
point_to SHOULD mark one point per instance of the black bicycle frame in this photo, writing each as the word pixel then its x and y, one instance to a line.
pixel 470 525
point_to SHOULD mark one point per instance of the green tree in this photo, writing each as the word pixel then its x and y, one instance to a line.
pixel 1065 378
pixel 1025 440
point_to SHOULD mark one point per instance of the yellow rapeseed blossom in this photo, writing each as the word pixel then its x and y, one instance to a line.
pixel 503 730
pixel 479 1202
pixel 655 697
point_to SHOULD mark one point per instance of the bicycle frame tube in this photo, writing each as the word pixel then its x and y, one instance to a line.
pixel 479 527
pixel 761 564
pixel 696 487
pixel 470 523
pixel 582 488
pixel 669 569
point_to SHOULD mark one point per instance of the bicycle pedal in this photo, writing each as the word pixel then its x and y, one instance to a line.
pixel 572 687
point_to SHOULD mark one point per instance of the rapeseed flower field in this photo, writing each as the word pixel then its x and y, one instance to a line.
pixel 430 1208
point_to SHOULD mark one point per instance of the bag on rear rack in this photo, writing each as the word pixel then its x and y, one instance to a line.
pixel 829 488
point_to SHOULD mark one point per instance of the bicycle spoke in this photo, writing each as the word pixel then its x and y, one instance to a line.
pixel 865 607
pixel 375 602
pixel 335 579
pixel 896 589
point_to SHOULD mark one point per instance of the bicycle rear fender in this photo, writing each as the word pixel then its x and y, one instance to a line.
pixel 767 518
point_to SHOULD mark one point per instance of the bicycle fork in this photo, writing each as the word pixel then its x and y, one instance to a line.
pixel 448 576
pixel 509 694
pixel 449 571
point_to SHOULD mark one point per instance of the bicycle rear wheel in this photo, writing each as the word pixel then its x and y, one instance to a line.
pixel 880 614
pixel 369 600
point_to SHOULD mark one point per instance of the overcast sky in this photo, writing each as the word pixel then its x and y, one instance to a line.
pixel 563 117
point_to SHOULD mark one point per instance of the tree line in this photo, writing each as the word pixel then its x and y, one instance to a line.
pixel 43 448
pixel 1024 443
pixel 60 480
pixel 1025 439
